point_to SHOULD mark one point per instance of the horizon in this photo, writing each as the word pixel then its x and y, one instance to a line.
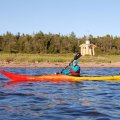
pixel 32 34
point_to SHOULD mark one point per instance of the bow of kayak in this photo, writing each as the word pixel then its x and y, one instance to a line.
pixel 51 77
pixel 57 77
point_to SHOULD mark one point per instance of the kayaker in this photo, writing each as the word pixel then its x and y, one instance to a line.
pixel 74 69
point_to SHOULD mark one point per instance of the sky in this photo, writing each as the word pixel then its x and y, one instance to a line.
pixel 83 17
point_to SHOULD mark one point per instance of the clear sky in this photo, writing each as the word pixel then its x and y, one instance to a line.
pixel 83 17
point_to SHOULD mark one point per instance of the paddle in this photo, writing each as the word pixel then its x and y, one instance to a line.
pixel 78 55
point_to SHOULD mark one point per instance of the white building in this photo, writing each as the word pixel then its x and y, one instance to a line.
pixel 87 48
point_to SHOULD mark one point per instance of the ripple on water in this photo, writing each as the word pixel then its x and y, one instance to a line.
pixel 87 100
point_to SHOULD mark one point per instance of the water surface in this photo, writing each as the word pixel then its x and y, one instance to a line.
pixel 87 100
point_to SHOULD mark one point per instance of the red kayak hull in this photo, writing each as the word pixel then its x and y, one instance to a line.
pixel 49 77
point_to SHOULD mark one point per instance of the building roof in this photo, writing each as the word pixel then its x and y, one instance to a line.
pixel 85 45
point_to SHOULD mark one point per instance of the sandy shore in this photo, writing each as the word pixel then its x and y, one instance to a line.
pixel 62 65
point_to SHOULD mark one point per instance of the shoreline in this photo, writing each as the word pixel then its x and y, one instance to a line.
pixel 57 65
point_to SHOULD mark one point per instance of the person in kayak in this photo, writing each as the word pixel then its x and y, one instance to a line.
pixel 74 69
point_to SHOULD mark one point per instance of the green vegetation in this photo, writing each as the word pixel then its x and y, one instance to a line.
pixel 36 58
pixel 101 59
pixel 40 43
pixel 42 47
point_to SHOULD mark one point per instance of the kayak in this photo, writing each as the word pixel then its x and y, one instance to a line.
pixel 57 77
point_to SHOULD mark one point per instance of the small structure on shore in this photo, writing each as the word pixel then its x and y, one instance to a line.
pixel 87 48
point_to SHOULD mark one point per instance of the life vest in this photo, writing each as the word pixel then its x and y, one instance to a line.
pixel 75 73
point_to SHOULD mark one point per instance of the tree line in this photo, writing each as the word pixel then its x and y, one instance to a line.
pixel 56 43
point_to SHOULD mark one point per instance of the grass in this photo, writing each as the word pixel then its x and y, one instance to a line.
pixel 33 58
pixel 113 58
pixel 101 59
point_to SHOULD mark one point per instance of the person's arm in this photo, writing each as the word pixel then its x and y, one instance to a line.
pixel 66 72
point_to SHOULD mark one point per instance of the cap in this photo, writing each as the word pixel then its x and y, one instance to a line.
pixel 75 61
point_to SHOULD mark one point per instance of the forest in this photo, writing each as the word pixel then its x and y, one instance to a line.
pixel 56 43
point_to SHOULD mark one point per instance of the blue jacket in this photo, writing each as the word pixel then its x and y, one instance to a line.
pixel 71 67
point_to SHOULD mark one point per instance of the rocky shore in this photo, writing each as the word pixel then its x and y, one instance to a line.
pixel 59 65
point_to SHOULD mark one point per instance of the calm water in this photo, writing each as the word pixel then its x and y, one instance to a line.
pixel 87 100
